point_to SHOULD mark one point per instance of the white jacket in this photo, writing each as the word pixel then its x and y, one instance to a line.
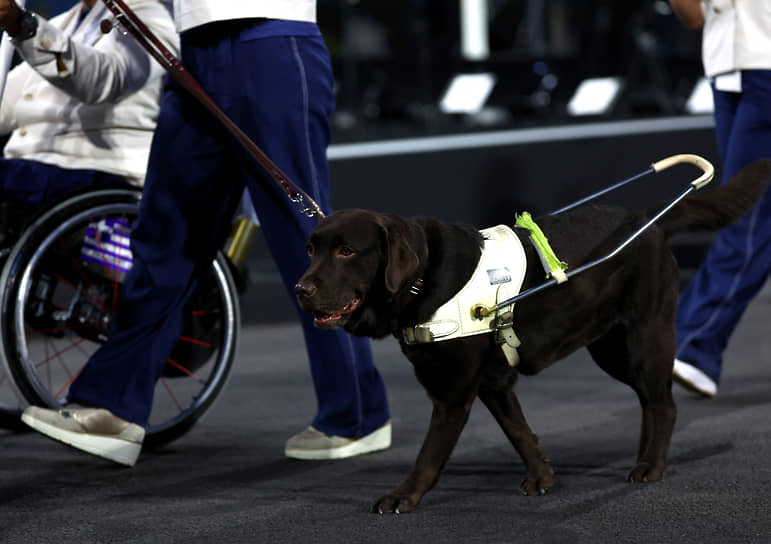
pixel 736 35
pixel 192 13
pixel 101 112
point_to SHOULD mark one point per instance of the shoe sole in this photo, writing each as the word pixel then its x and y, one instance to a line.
pixel 378 440
pixel 116 450
pixel 688 379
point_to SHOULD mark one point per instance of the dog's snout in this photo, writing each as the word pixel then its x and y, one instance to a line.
pixel 304 289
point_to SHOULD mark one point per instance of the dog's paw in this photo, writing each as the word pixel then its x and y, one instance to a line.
pixel 393 503
pixel 645 472
pixel 533 486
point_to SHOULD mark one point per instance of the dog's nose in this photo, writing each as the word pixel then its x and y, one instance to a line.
pixel 304 289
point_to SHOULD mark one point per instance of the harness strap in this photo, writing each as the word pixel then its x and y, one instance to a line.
pixel 499 274
pixel 506 337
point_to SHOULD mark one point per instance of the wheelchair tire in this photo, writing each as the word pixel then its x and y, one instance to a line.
pixel 59 285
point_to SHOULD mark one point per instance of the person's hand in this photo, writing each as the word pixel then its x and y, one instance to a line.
pixel 9 16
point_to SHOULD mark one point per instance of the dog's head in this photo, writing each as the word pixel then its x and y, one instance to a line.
pixel 359 261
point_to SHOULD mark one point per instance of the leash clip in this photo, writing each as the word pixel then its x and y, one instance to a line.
pixel 307 211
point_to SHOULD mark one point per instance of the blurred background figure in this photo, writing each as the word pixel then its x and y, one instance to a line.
pixel 736 53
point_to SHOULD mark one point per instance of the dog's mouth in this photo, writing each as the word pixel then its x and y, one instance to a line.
pixel 336 319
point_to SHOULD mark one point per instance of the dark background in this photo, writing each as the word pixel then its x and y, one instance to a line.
pixel 393 61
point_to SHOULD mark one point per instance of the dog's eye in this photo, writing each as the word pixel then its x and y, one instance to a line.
pixel 345 251
pixel 309 250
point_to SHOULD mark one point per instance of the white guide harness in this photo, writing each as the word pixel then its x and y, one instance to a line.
pixel 498 276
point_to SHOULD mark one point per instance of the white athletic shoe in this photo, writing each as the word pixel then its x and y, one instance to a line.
pixel 94 430
pixel 694 379
pixel 314 445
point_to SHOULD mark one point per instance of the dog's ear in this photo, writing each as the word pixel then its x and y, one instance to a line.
pixel 403 243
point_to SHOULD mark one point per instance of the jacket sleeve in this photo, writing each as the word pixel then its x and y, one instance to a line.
pixel 14 84
pixel 109 68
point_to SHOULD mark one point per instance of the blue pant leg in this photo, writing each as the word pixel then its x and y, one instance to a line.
pixel 183 217
pixel 738 263
pixel 712 304
pixel 287 117
pixel 41 184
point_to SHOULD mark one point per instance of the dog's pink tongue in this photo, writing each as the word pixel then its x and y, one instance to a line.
pixel 324 319
pixel 320 319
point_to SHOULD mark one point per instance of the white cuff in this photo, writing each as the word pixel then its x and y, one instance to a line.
pixel 41 50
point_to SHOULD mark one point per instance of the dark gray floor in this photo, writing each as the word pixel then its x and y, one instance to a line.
pixel 227 480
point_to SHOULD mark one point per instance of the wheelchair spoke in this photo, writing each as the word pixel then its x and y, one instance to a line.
pixel 59 353
pixel 46 370
pixel 196 342
pixel 198 313
pixel 64 280
pixel 171 394
pixel 67 384
pixel 184 370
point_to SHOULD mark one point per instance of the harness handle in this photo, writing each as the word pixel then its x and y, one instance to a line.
pixel 696 160
pixel 479 310
pixel 655 168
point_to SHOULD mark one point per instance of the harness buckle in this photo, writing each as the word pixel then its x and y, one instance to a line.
pixel 418 334
pixel 506 337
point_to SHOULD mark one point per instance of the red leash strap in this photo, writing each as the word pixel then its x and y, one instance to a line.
pixel 129 21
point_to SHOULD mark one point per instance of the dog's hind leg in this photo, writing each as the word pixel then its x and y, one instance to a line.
pixel 505 408
pixel 641 357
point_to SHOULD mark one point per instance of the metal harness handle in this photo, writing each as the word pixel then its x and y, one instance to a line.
pixel 480 310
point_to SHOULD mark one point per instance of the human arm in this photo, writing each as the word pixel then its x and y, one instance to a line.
pixel 93 67
pixel 689 12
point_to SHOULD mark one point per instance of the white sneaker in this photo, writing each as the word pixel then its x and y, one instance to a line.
pixel 314 445
pixel 694 379
pixel 94 430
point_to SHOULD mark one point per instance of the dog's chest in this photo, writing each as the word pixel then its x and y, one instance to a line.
pixel 498 276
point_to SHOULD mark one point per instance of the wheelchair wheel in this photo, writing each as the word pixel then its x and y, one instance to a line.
pixel 10 405
pixel 59 286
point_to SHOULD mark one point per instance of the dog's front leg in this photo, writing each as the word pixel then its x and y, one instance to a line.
pixel 447 422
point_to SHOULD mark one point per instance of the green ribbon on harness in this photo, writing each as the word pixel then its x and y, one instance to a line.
pixel 552 264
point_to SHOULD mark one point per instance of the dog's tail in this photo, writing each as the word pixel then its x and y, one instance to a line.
pixel 717 208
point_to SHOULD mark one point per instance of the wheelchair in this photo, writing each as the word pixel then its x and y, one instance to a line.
pixel 59 284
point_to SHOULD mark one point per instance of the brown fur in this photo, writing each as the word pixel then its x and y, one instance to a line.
pixel 363 263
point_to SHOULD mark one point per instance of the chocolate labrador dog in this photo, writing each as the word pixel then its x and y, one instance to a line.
pixel 377 274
